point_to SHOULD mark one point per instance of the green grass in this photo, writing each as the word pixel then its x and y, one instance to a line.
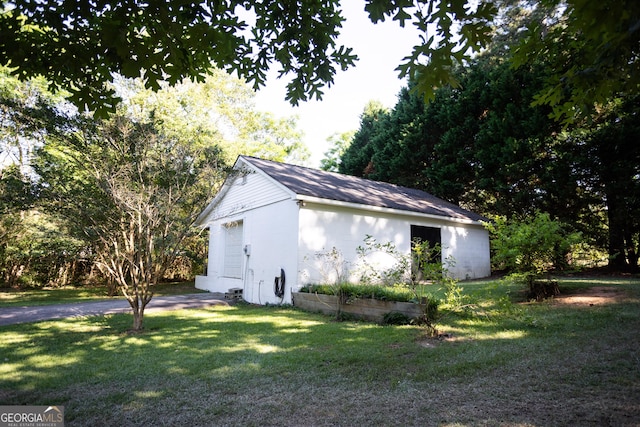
pixel 504 363
pixel 46 296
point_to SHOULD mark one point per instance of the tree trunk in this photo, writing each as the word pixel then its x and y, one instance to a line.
pixel 632 253
pixel 617 255
pixel 138 317
pixel 138 304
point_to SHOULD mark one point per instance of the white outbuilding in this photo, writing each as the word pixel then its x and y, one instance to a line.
pixel 272 227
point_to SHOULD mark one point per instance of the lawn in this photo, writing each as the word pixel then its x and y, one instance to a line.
pixel 499 362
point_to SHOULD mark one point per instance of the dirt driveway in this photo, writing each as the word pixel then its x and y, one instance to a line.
pixel 13 315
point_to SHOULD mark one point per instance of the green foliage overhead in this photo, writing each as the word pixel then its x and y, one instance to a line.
pixel 79 45
pixel 592 47
pixel 219 111
pixel 450 33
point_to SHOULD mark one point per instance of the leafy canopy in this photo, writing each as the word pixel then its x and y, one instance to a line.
pixel 78 45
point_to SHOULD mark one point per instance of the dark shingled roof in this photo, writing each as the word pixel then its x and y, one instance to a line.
pixel 344 188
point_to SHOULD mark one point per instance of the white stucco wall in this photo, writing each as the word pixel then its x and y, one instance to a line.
pixel 270 233
pixel 323 228
pixel 269 217
pixel 469 247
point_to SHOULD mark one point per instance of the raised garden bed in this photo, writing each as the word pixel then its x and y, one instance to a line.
pixel 361 308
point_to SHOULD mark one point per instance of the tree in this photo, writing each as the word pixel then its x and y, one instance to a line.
pixel 35 249
pixel 79 45
pixel 608 156
pixel 531 247
pixel 485 145
pixel 16 196
pixel 220 109
pixel 496 152
pixel 400 148
pixel 27 114
pixel 133 184
pixel 356 158
pixel 133 191
pixel 339 144
pixel 481 144
pixel 592 50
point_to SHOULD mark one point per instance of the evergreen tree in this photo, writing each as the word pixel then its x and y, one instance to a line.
pixel 489 146
pixel 356 159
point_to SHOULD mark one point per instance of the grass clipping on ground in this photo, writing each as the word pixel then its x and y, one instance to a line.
pixel 505 363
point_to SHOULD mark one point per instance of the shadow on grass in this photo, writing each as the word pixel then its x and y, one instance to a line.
pixel 251 365
pixel 10 297
pixel 49 354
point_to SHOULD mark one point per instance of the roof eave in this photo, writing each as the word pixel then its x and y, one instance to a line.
pixel 379 209
pixel 242 161
pixel 203 219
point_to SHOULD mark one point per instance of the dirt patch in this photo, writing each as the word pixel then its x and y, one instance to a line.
pixel 597 295
pixel 428 342
pixel 434 341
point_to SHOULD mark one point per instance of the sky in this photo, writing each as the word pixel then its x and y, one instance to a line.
pixel 380 49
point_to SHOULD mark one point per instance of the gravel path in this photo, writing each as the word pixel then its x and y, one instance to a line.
pixel 13 315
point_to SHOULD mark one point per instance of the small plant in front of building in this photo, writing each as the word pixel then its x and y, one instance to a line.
pixel 334 270
pixel 423 265
pixel 427 268
pixel 372 272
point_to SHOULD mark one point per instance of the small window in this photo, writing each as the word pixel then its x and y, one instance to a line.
pixel 233 254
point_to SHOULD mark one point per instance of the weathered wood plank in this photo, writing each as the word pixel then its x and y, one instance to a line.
pixel 367 309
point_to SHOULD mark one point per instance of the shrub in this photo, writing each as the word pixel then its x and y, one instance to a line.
pixel 422 264
pixel 530 248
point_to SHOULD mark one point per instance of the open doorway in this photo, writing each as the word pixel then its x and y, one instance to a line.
pixel 431 235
